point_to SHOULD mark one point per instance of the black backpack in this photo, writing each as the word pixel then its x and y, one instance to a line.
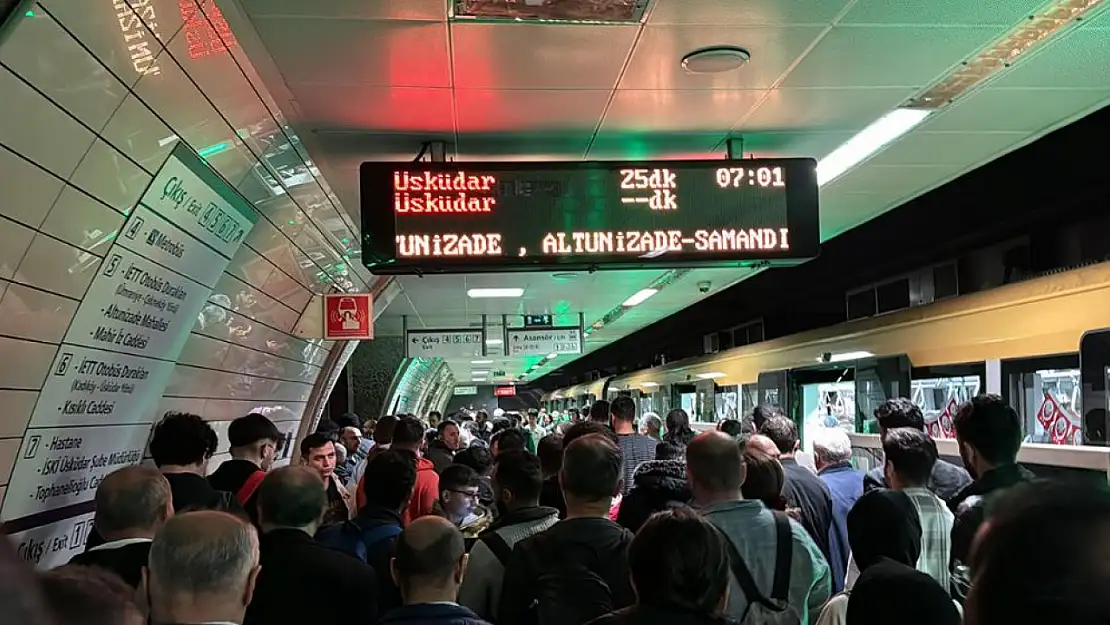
pixel 568 591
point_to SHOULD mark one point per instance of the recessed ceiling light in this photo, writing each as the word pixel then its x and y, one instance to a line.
pixel 716 59
pixel 474 373
pixel 552 355
pixel 488 293
pixel 481 362
pixel 493 341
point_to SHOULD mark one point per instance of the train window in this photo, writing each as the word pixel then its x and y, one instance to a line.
pixel 1046 393
pixel 939 398
pixel 1094 359
pixel 826 398
pixel 727 402
pixel 749 398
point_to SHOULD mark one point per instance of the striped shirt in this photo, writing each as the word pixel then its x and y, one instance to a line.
pixel 936 534
pixel 636 449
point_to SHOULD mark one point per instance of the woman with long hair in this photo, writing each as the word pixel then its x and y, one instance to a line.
pixel 679 431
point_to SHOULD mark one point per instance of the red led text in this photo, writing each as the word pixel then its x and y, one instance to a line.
pixel 645 242
pixel 449 245
pixel 439 192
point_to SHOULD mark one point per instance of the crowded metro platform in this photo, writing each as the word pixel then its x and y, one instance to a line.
pixel 554 312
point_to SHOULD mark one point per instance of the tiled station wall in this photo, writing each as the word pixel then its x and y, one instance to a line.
pixel 95 96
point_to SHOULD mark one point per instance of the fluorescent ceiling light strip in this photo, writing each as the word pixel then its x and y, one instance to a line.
pixel 712 375
pixel 639 297
pixel 552 355
pixel 493 341
pixel 488 293
pixel 846 356
pixel 481 362
pixel 869 141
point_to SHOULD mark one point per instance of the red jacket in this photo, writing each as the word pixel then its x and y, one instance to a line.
pixel 424 494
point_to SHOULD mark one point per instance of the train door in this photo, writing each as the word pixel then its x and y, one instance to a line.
pixel 1094 365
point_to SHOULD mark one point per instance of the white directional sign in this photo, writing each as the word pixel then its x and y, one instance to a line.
pixel 444 343
pixel 541 342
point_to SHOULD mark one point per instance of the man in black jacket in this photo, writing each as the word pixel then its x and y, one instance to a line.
pixel 291 504
pixel 181 446
pixel 946 479
pixel 988 431
pixel 586 543
pixel 132 503
pixel 254 441
pixel 802 489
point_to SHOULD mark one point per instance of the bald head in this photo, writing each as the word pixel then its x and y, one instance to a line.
pixel 429 553
pixel 293 497
pixel 763 444
pixel 132 502
pixel 202 554
pixel 715 463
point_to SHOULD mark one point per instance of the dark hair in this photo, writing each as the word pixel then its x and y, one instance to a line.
pixel 782 432
pixel 457 476
pixel 623 409
pixel 432 561
pixel 291 497
pixel 1065 584
pixel 599 411
pixel 991 426
pixel 762 412
pixel 585 428
pixel 899 412
pixel 592 468
pixel 315 440
pixel 478 458
pixel 443 425
pixel 669 451
pixel 508 440
pixel 181 438
pixel 389 479
pixel 88 595
pixel 328 428
pixel 408 431
pixel 715 462
pixel 520 472
pixel 252 428
pixel 679 560
pixel 349 419
pixel 763 479
pixel 679 431
pixel 732 427
pixel 550 451
pixel 383 429
pixel 132 497
pixel 912 454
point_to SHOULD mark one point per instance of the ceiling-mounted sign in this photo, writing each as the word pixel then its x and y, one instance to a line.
pixel 465 391
pixel 538 321
pixel 541 342
pixel 504 391
pixel 466 217
pixel 444 343
pixel 348 317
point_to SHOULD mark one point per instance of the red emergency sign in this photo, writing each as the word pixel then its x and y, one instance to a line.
pixel 347 317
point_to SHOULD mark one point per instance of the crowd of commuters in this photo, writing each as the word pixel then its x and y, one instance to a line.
pixel 606 519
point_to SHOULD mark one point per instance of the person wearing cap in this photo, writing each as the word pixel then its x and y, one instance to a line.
pixel 255 442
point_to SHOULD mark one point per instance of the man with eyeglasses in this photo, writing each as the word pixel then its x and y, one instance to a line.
pixel 458 500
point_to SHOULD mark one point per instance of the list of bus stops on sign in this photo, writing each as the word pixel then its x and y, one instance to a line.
pixel 102 391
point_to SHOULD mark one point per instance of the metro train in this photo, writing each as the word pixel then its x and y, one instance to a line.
pixel 1040 343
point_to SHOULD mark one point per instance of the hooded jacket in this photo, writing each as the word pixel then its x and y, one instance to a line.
pixel 599 544
pixel 657 485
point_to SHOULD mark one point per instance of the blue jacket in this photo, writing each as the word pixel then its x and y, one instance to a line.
pixel 431 614
pixel 845 487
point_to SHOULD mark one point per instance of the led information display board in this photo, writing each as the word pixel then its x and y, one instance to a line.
pixel 427 217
